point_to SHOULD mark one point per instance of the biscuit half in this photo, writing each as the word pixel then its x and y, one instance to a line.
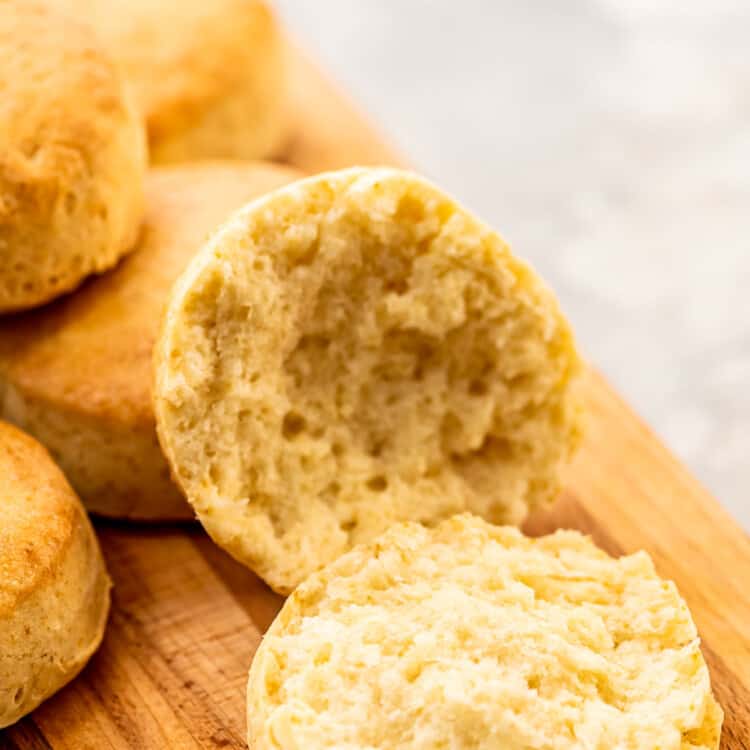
pixel 354 350
pixel 77 374
pixel 54 589
pixel 209 76
pixel 470 635
pixel 72 157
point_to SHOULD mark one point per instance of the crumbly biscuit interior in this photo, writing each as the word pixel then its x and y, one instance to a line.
pixel 472 637
pixel 366 358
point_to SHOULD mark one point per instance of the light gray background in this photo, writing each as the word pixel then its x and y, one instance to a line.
pixel 609 142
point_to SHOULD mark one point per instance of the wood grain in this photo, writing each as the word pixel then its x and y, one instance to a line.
pixel 186 619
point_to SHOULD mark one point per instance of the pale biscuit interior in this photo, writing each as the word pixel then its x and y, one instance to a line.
pixel 474 636
pixel 356 350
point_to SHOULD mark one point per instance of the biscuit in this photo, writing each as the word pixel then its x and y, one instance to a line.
pixel 54 589
pixel 470 635
pixel 72 157
pixel 209 77
pixel 354 350
pixel 77 374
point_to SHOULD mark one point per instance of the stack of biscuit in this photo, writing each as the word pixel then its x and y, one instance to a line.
pixel 355 386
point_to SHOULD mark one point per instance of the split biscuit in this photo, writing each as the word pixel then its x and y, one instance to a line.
pixel 354 350
pixel 470 635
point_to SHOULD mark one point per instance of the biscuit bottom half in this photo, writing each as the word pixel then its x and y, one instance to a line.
pixel 470 635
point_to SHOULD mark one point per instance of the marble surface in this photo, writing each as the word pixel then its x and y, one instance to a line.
pixel 609 142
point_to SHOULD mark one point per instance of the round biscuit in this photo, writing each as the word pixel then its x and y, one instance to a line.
pixel 54 589
pixel 72 157
pixel 208 75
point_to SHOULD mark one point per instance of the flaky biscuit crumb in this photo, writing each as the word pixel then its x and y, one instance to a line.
pixel 354 350
pixel 470 635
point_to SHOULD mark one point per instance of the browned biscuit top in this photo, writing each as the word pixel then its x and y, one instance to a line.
pixel 37 516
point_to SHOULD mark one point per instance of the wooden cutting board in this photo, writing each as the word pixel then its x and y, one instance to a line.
pixel 186 619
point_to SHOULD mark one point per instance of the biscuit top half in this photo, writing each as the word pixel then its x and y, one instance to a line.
pixel 354 350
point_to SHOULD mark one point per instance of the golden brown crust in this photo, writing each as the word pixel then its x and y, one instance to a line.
pixel 209 77
pixel 38 509
pixel 72 157
pixel 54 590
pixel 78 373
